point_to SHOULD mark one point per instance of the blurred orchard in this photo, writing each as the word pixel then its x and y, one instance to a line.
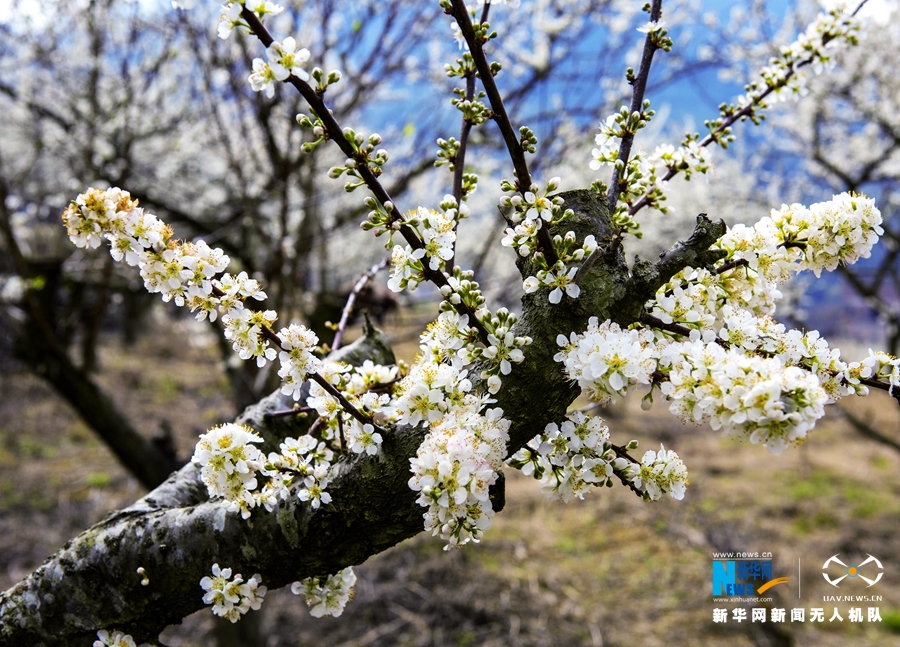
pixel 528 177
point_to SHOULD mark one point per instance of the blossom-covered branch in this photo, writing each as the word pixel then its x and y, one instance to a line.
pixel 359 162
pixel 486 72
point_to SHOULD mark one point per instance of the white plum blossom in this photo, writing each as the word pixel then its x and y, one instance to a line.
pixel 114 639
pixel 232 597
pixel 327 596
pixel 606 361
pixel 453 469
pixel 538 206
pixel 561 280
pixel 229 19
pixel 363 438
pixel 297 359
pixel 406 268
pixel 285 59
pixel 228 465
pixel 262 79
pixel 660 473
pixel 652 26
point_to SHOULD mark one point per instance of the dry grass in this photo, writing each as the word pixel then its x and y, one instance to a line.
pixel 609 570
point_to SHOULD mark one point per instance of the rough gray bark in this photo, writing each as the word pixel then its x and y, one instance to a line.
pixel 176 534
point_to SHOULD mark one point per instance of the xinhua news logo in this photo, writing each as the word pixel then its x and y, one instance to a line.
pixel 743 577
pixel 853 571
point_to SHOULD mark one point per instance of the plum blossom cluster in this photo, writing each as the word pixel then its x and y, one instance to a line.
pixel 368 389
pixel 786 74
pixel 297 358
pixel 183 272
pixel 529 214
pixel 607 361
pixel 437 231
pixel 431 390
pixel 842 230
pixel 304 462
pixel 453 470
pixel 186 273
pixel 659 473
pixel 232 597
pixel 815 47
pixel 760 258
pixel 754 398
pixel 230 15
pixel 571 458
pixel 327 596
pixel 458 461
pixel 230 465
pixel 114 639
pixel 753 381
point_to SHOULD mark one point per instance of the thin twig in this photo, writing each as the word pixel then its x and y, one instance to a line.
pixel 345 404
pixel 513 145
pixel 459 162
pixel 286 413
pixel 731 120
pixel 622 453
pixel 639 87
pixel 351 301
pixel 730 265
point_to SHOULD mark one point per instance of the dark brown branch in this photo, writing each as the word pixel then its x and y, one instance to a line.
pixel 345 404
pixel 464 129
pixel 513 146
pixel 868 430
pixel 639 87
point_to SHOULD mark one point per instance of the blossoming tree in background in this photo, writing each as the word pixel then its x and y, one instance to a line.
pixel 392 450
